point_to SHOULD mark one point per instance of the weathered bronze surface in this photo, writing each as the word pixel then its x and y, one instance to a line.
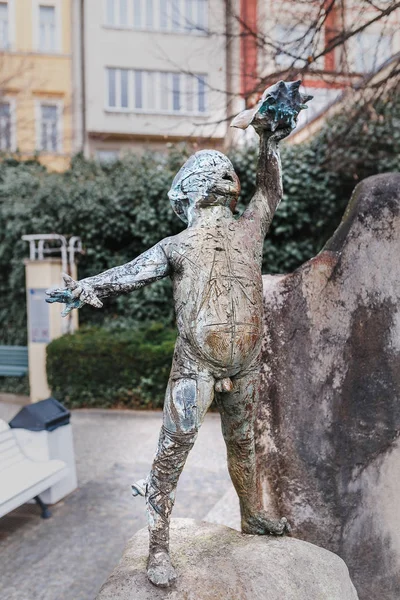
pixel 215 267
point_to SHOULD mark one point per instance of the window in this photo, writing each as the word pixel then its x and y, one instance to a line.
pixel 196 15
pixel 49 131
pixel 293 41
pixel 138 85
pixel 4 25
pixel 47 28
pixel 371 51
pixel 112 87
pixel 137 14
pixel 160 15
pixel 155 91
pixel 5 126
pixel 107 156
pixel 149 14
pixel 117 13
pixel 110 12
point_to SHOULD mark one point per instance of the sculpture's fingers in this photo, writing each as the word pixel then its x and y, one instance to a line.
pixel 90 297
pixel 69 308
pixel 76 292
pixel 58 295
pixel 96 302
pixel 54 291
pixel 51 300
pixel 69 282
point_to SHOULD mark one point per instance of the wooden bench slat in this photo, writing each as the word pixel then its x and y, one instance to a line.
pixel 12 461
pixel 27 473
pixel 8 371
pixel 13 361
pixel 10 453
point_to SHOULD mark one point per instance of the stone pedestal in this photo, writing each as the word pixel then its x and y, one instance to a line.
pixel 215 562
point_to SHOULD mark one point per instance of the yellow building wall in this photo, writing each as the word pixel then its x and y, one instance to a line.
pixel 28 77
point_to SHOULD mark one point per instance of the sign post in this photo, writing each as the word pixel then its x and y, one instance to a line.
pixel 44 320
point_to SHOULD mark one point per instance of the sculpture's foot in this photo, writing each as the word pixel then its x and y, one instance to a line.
pixel 160 570
pixel 259 524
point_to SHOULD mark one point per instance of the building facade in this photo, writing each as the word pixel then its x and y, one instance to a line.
pixel 152 74
pixel 289 36
pixel 36 80
pixel 105 77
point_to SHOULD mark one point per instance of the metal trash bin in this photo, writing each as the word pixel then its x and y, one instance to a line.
pixel 44 432
pixel 45 415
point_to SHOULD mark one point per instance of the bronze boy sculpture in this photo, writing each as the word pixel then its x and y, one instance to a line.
pixel 215 267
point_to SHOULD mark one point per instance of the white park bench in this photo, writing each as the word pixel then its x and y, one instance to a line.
pixel 21 478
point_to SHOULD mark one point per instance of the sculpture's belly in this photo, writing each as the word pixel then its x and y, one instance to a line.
pixel 218 300
pixel 225 330
pixel 229 345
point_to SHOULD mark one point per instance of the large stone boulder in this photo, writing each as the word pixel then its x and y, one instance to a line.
pixel 328 429
pixel 215 562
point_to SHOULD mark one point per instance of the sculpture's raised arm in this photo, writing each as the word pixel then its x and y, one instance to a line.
pixel 146 268
pixel 274 117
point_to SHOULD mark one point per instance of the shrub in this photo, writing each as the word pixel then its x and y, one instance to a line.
pixel 15 385
pixel 120 210
pixel 107 367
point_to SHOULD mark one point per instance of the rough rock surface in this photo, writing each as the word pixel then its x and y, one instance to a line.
pixel 215 562
pixel 328 432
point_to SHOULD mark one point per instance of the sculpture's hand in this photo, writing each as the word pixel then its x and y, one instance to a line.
pixel 276 113
pixel 74 295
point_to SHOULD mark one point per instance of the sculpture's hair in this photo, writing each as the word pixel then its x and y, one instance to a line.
pixel 199 177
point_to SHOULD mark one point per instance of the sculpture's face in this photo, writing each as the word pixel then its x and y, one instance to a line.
pixel 206 179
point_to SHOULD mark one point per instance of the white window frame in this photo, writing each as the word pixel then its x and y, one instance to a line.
pixel 60 119
pixel 171 27
pixel 12 102
pixel 117 24
pixel 35 23
pixel 11 25
pixel 158 78
pixel 118 107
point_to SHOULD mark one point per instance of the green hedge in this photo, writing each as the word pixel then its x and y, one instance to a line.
pixel 105 367
pixel 121 210
pixel 15 385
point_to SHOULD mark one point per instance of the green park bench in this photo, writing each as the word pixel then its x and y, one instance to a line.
pixel 13 361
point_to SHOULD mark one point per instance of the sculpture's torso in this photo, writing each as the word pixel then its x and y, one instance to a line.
pixel 216 274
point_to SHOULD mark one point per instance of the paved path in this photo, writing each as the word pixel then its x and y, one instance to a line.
pixel 69 556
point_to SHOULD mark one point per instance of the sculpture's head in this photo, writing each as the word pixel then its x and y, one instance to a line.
pixel 206 179
pixel 278 108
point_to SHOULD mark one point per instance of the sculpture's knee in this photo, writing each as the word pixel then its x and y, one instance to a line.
pixel 181 412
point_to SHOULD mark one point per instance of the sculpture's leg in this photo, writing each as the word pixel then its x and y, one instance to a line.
pixel 187 400
pixel 238 410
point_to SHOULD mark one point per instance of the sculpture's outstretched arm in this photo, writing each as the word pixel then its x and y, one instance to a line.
pixel 273 118
pixel 146 268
